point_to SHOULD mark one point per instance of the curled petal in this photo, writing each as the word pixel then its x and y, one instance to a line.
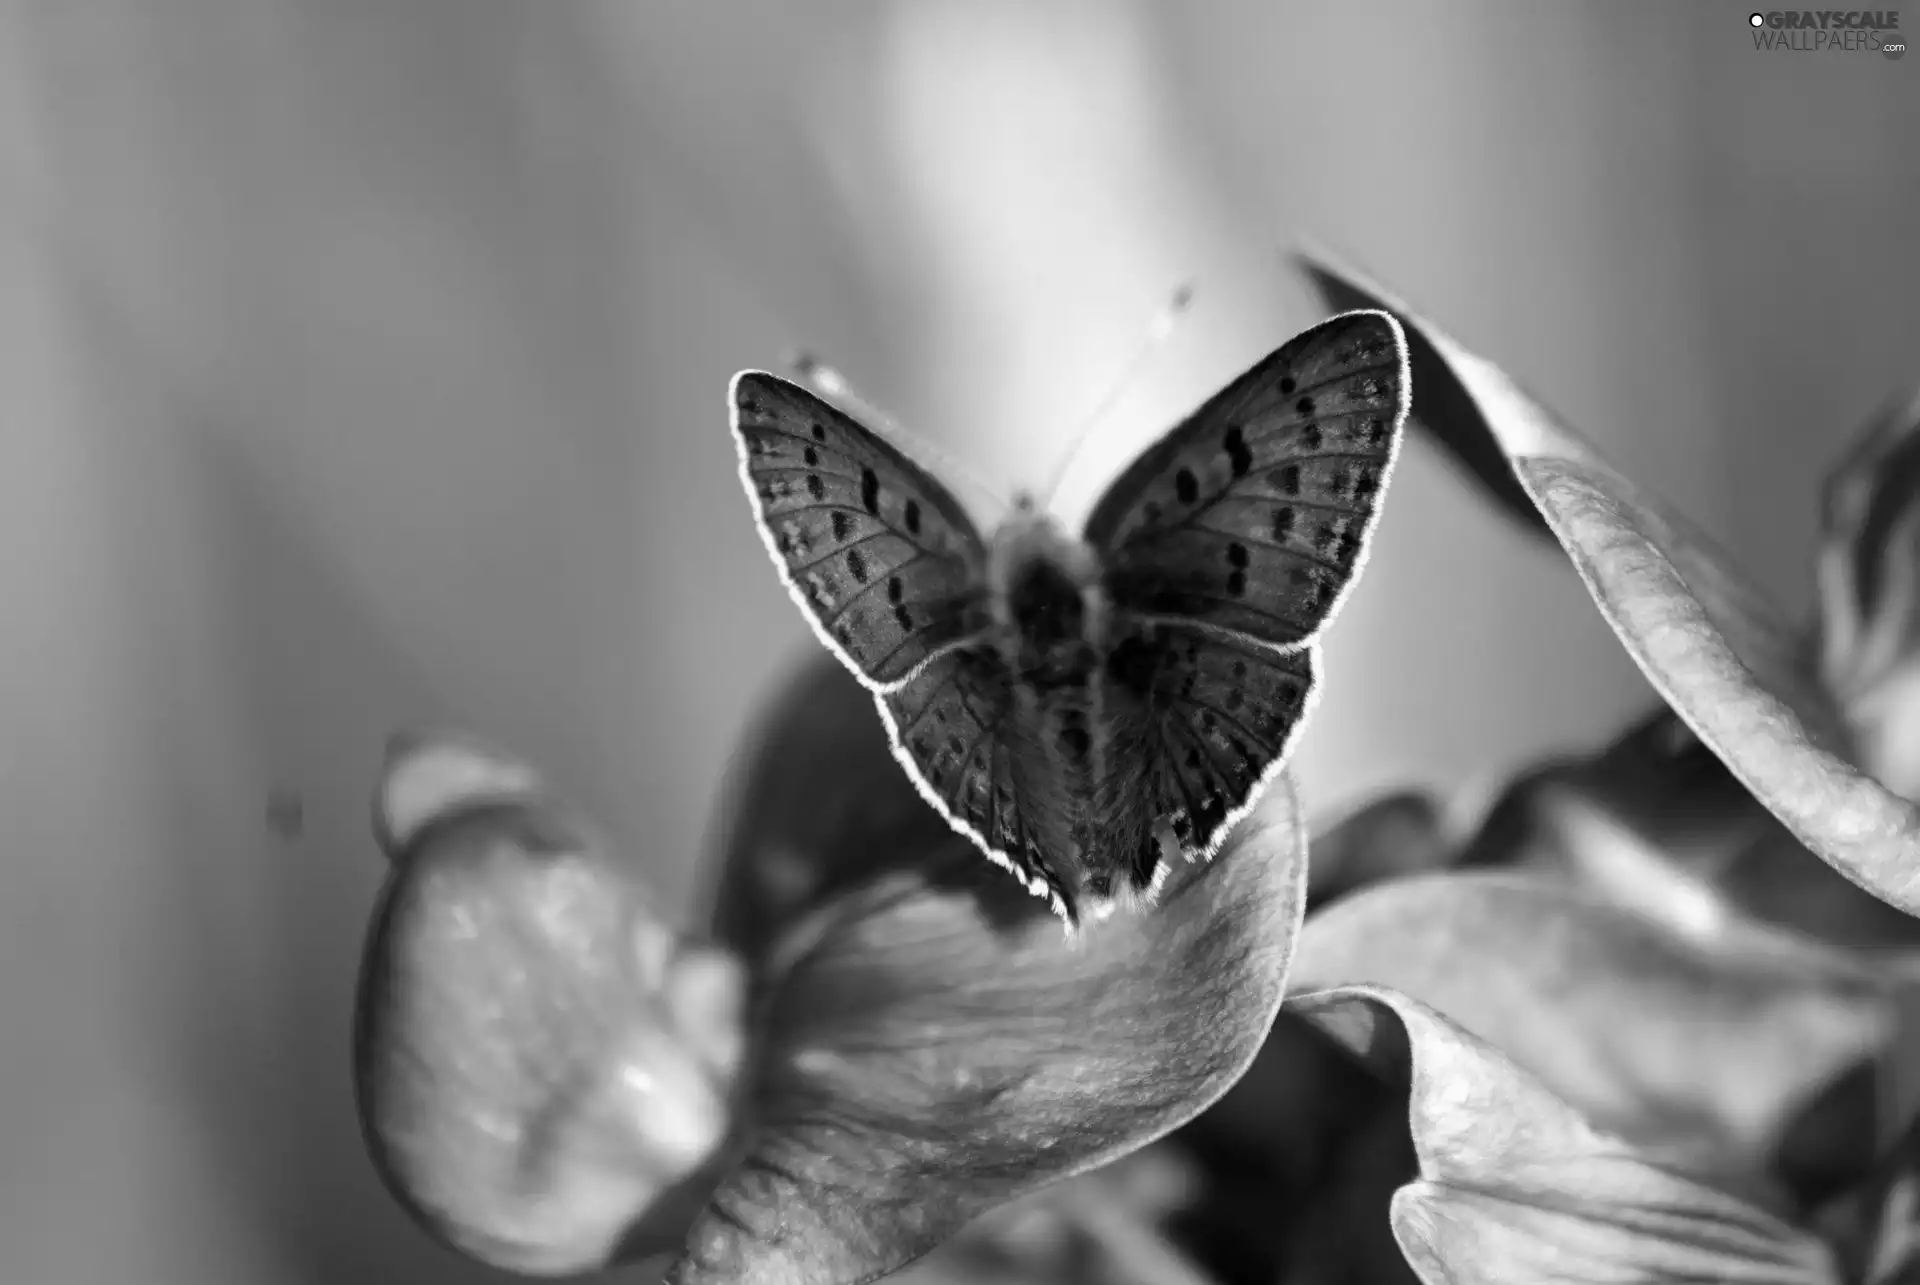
pixel 1705 1043
pixel 932 1046
pixel 1720 653
pixel 1515 1186
pixel 1869 581
pixel 543 1068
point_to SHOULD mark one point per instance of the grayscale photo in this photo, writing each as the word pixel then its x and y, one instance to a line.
pixel 959 642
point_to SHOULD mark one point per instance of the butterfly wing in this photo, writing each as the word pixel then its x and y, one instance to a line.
pixel 883 562
pixel 1253 515
pixel 949 727
pixel 1228 709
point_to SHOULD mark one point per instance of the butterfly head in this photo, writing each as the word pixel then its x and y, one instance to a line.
pixel 1043 585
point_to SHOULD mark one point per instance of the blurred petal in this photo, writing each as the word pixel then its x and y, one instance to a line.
pixel 1288 1150
pixel 1886 1240
pixel 1399 834
pixel 818 807
pixel 1720 654
pixel 1097 1229
pixel 1704 1044
pixel 543 1067
pixel 933 1045
pixel 1516 1186
pixel 1869 580
pixel 1656 821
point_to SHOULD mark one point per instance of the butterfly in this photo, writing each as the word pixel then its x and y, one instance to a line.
pixel 1082 705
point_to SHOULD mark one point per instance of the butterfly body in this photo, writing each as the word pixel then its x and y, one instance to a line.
pixel 1084 704
pixel 1074 731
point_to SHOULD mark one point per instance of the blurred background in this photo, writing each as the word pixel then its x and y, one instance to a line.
pixel 364 365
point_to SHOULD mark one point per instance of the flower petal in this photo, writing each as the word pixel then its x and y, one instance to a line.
pixel 819 807
pixel 1712 645
pixel 1398 834
pixel 543 1068
pixel 1869 581
pixel 1706 1043
pixel 1516 1186
pixel 1656 821
pixel 1885 1236
pixel 932 1044
pixel 1096 1229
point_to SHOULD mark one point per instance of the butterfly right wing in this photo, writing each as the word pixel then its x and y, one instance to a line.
pixel 949 728
pixel 881 559
pixel 1229 710
pixel 1254 514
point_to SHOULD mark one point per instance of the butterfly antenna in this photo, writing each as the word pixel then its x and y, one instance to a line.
pixel 835 387
pixel 1157 332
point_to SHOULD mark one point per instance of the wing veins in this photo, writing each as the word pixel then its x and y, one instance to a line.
pixel 1194 594
pixel 1258 742
pixel 842 608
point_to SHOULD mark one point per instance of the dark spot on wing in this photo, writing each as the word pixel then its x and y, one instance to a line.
pixel 1186 486
pixel 1299 576
pixel 1286 479
pixel 842 526
pixel 1233 699
pixel 1287 385
pixel 895 590
pixel 1236 554
pixel 1282 522
pixel 1238 456
pixel 904 619
pixel 1075 741
pixel 819 432
pixel 1376 432
pixel 1326 540
pixel 857 565
pixel 1304 405
pixel 1239 669
pixel 815 487
pixel 1236 583
pixel 1310 437
pixel 1130 664
pixel 870 491
pixel 1349 545
pixel 811 456
pixel 913 517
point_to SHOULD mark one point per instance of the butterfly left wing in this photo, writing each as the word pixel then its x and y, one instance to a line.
pixel 1253 515
pixel 880 558
pixel 948 726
